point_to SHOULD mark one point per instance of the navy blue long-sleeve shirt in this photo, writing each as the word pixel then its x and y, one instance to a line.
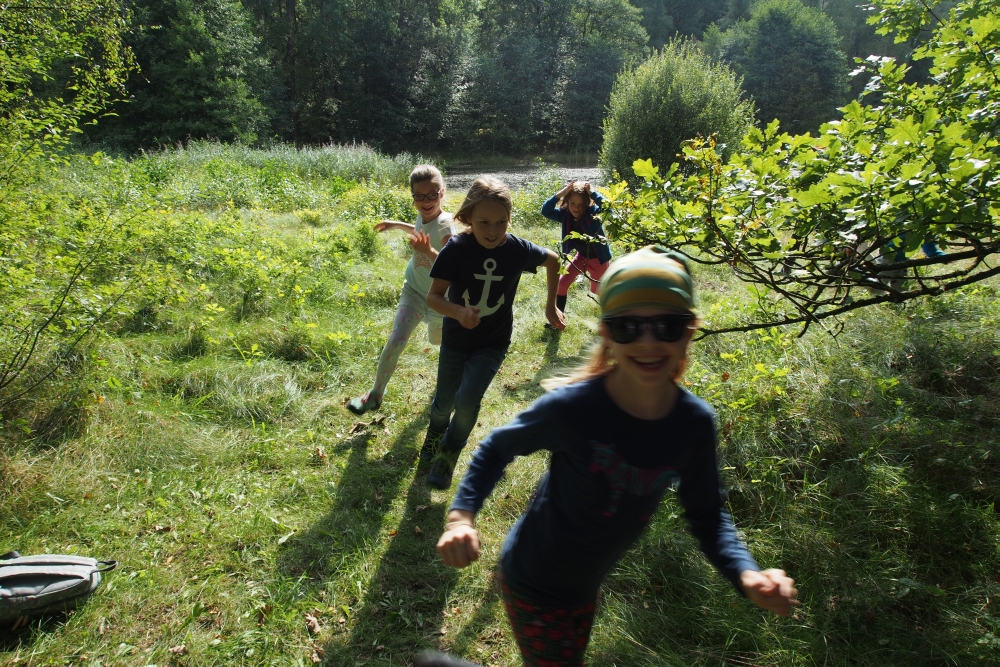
pixel 607 475
pixel 587 224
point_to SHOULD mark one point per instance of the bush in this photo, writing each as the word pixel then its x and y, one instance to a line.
pixel 675 95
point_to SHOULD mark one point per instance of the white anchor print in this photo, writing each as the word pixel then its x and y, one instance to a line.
pixel 487 278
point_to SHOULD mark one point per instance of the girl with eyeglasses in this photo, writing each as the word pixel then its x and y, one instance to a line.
pixel 622 431
pixel 427 235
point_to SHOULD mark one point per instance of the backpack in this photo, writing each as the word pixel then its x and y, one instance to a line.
pixel 32 586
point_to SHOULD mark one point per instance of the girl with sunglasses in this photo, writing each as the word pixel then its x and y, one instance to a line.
pixel 427 235
pixel 622 431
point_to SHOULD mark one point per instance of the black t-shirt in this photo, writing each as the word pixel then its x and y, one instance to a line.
pixel 486 279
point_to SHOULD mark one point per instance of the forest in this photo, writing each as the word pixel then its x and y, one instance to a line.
pixel 486 77
pixel 193 287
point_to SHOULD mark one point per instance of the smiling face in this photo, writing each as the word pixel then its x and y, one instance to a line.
pixel 647 364
pixel 429 210
pixel 577 205
pixel 489 222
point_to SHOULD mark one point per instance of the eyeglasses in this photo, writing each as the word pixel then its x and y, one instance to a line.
pixel 666 328
pixel 430 196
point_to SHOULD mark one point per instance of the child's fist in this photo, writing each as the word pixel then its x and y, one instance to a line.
pixel 459 545
pixel 770 589
pixel 555 317
pixel 469 318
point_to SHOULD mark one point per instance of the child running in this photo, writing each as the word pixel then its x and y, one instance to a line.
pixel 621 432
pixel 427 235
pixel 480 270
pixel 572 207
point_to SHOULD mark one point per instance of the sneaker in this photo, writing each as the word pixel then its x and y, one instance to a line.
pixel 430 447
pixel 359 405
pixel 441 470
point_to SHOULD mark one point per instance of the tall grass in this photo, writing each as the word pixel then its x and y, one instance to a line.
pixel 208 450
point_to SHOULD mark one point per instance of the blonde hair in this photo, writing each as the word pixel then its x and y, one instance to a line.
pixel 598 364
pixel 577 188
pixel 484 188
pixel 426 172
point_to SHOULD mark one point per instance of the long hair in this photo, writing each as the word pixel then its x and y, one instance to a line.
pixel 600 363
pixel 484 188
pixel 597 364
pixel 426 172
pixel 577 189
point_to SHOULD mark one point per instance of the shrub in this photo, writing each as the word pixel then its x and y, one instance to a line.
pixel 675 95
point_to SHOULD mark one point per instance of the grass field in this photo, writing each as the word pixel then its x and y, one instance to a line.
pixel 200 439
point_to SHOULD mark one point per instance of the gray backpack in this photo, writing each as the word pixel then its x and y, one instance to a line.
pixel 32 586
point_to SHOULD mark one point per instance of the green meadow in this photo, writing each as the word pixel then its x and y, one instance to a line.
pixel 197 434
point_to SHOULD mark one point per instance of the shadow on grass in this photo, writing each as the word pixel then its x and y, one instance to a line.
pixel 480 629
pixel 403 606
pixel 396 612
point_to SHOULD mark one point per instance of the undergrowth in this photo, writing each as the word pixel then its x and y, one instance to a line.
pixel 199 437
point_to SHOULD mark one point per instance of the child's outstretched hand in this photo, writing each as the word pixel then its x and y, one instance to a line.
pixel 469 318
pixel 421 242
pixel 556 317
pixel 459 545
pixel 770 589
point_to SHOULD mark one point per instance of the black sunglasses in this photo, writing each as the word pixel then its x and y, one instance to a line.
pixel 667 328
pixel 430 196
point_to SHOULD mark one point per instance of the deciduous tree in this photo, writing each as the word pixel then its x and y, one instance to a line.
pixel 675 95
pixel 790 59
pixel 817 224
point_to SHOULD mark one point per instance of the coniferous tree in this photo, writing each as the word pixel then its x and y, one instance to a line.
pixel 202 75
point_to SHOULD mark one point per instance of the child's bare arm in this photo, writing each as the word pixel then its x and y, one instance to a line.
pixel 467 317
pixel 770 589
pixel 555 316
pixel 566 189
pixel 459 544
pixel 386 225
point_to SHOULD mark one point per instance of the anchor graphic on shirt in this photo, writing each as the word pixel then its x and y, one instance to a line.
pixel 487 278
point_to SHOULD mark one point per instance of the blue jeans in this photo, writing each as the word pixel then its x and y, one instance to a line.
pixel 463 378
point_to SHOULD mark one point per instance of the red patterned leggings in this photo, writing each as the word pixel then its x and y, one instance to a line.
pixel 548 636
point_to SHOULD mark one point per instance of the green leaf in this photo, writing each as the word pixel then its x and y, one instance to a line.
pixel 645 170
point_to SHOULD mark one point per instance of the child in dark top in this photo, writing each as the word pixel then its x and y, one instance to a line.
pixel 572 207
pixel 621 432
pixel 479 270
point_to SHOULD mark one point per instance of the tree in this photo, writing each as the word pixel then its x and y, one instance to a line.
pixel 815 223
pixel 665 19
pixel 60 66
pixel 540 74
pixel 202 75
pixel 675 95
pixel 790 59
pixel 608 36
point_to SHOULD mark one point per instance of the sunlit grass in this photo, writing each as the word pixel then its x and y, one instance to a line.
pixel 211 455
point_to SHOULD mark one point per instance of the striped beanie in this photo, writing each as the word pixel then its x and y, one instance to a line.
pixel 653 276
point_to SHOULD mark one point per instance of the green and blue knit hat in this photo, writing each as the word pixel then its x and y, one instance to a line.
pixel 651 277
